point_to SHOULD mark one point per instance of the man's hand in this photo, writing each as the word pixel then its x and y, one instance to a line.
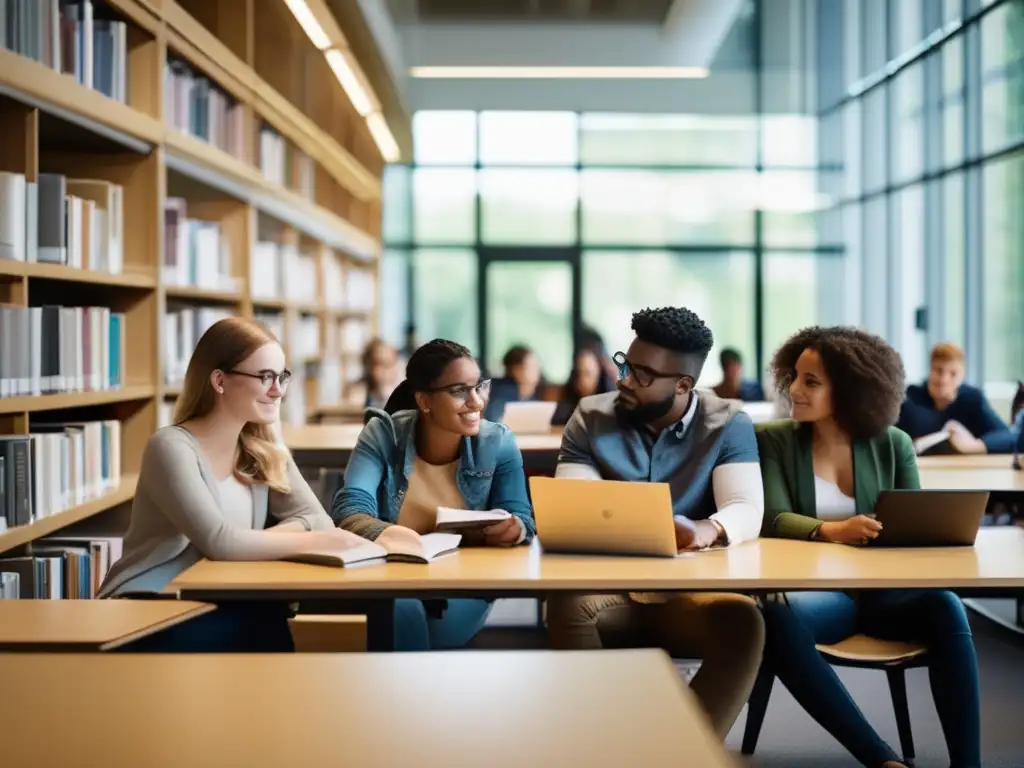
pixel 962 440
pixel 504 534
pixel 691 535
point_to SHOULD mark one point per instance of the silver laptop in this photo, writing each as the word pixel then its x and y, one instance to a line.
pixel 606 517
pixel 529 418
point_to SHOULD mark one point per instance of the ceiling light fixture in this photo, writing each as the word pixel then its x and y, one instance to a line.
pixel 566 73
pixel 382 137
pixel 307 20
pixel 358 93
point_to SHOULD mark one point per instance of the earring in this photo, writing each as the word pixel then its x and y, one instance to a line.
pixel 220 391
pixel 426 410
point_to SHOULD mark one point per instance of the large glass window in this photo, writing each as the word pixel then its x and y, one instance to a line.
pixel 907 145
pixel 445 289
pixel 531 303
pixel 396 211
pixel 790 202
pixel 1002 73
pixel 528 206
pixel 953 101
pixel 394 296
pixel 907 271
pixel 660 208
pixel 1003 287
pixel 875 136
pixel 875 267
pixel 528 138
pixel 444 206
pixel 667 140
pixel 444 138
pixel 719 287
pixel 954 292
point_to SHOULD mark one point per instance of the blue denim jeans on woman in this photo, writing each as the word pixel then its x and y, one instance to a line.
pixel 934 617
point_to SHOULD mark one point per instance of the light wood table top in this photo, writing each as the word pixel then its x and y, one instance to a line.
pixel 996 562
pixel 88 625
pixel 973 461
pixel 450 710
pixel 342 437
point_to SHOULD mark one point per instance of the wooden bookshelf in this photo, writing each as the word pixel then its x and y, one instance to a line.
pixel 318 192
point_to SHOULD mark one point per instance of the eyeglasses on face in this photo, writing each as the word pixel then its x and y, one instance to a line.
pixel 460 392
pixel 267 378
pixel 642 375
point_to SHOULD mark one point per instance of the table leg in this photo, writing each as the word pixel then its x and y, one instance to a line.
pixel 380 625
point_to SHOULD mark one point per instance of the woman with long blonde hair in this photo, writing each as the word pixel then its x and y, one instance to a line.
pixel 210 482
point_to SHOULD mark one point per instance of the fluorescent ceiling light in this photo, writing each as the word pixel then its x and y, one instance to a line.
pixel 382 137
pixel 307 20
pixel 568 73
pixel 357 92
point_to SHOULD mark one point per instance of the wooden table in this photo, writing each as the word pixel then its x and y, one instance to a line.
pixel 496 709
pixel 993 566
pixel 981 473
pixel 87 625
pixel 328 446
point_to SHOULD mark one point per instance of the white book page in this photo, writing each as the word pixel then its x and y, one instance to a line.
pixel 922 444
pixel 446 516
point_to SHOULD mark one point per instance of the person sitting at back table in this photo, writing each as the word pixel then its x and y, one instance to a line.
pixel 587 378
pixel 207 485
pixel 380 374
pixel 431 447
pixel 520 384
pixel 658 428
pixel 733 385
pixel 823 472
pixel 945 402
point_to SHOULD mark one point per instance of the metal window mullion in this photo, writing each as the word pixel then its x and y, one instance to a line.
pixel 974 277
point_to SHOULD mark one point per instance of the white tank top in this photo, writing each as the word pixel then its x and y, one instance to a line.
pixel 832 504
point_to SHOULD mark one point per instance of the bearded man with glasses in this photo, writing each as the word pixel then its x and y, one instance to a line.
pixel 659 428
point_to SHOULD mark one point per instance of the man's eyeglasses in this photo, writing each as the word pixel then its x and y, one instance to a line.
pixel 460 392
pixel 642 375
pixel 267 378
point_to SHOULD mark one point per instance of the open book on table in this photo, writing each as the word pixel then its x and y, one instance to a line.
pixel 449 519
pixel 430 547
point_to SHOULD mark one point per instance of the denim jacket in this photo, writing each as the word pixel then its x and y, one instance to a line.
pixel 489 474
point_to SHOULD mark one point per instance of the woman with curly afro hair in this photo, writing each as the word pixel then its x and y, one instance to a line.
pixel 823 471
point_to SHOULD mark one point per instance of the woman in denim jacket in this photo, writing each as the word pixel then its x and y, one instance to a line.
pixel 431 447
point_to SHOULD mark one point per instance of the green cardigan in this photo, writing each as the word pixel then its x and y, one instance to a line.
pixel 882 463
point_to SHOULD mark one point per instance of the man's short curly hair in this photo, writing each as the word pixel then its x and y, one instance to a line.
pixel 866 373
pixel 674 328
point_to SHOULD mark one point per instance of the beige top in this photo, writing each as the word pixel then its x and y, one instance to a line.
pixel 497 709
pixel 430 486
pixel 182 513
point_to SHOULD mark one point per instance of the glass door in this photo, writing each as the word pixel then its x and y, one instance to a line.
pixel 528 296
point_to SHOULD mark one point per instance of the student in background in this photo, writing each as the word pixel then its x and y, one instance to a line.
pixel 521 382
pixel 587 378
pixel 658 428
pixel 380 374
pixel 431 447
pixel 823 472
pixel 944 402
pixel 733 385
pixel 210 483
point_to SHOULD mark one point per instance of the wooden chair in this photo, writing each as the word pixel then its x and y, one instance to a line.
pixel 862 652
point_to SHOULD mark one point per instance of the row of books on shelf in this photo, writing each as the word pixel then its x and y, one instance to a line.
pixel 57 220
pixel 80 38
pixel 196 105
pixel 196 253
pixel 49 349
pixel 63 567
pixel 285 164
pixel 345 336
pixel 282 271
pixel 183 326
pixel 57 466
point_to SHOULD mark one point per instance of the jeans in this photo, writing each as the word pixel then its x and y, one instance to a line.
pixel 420 629
pixel 934 617
pixel 725 631
pixel 234 627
